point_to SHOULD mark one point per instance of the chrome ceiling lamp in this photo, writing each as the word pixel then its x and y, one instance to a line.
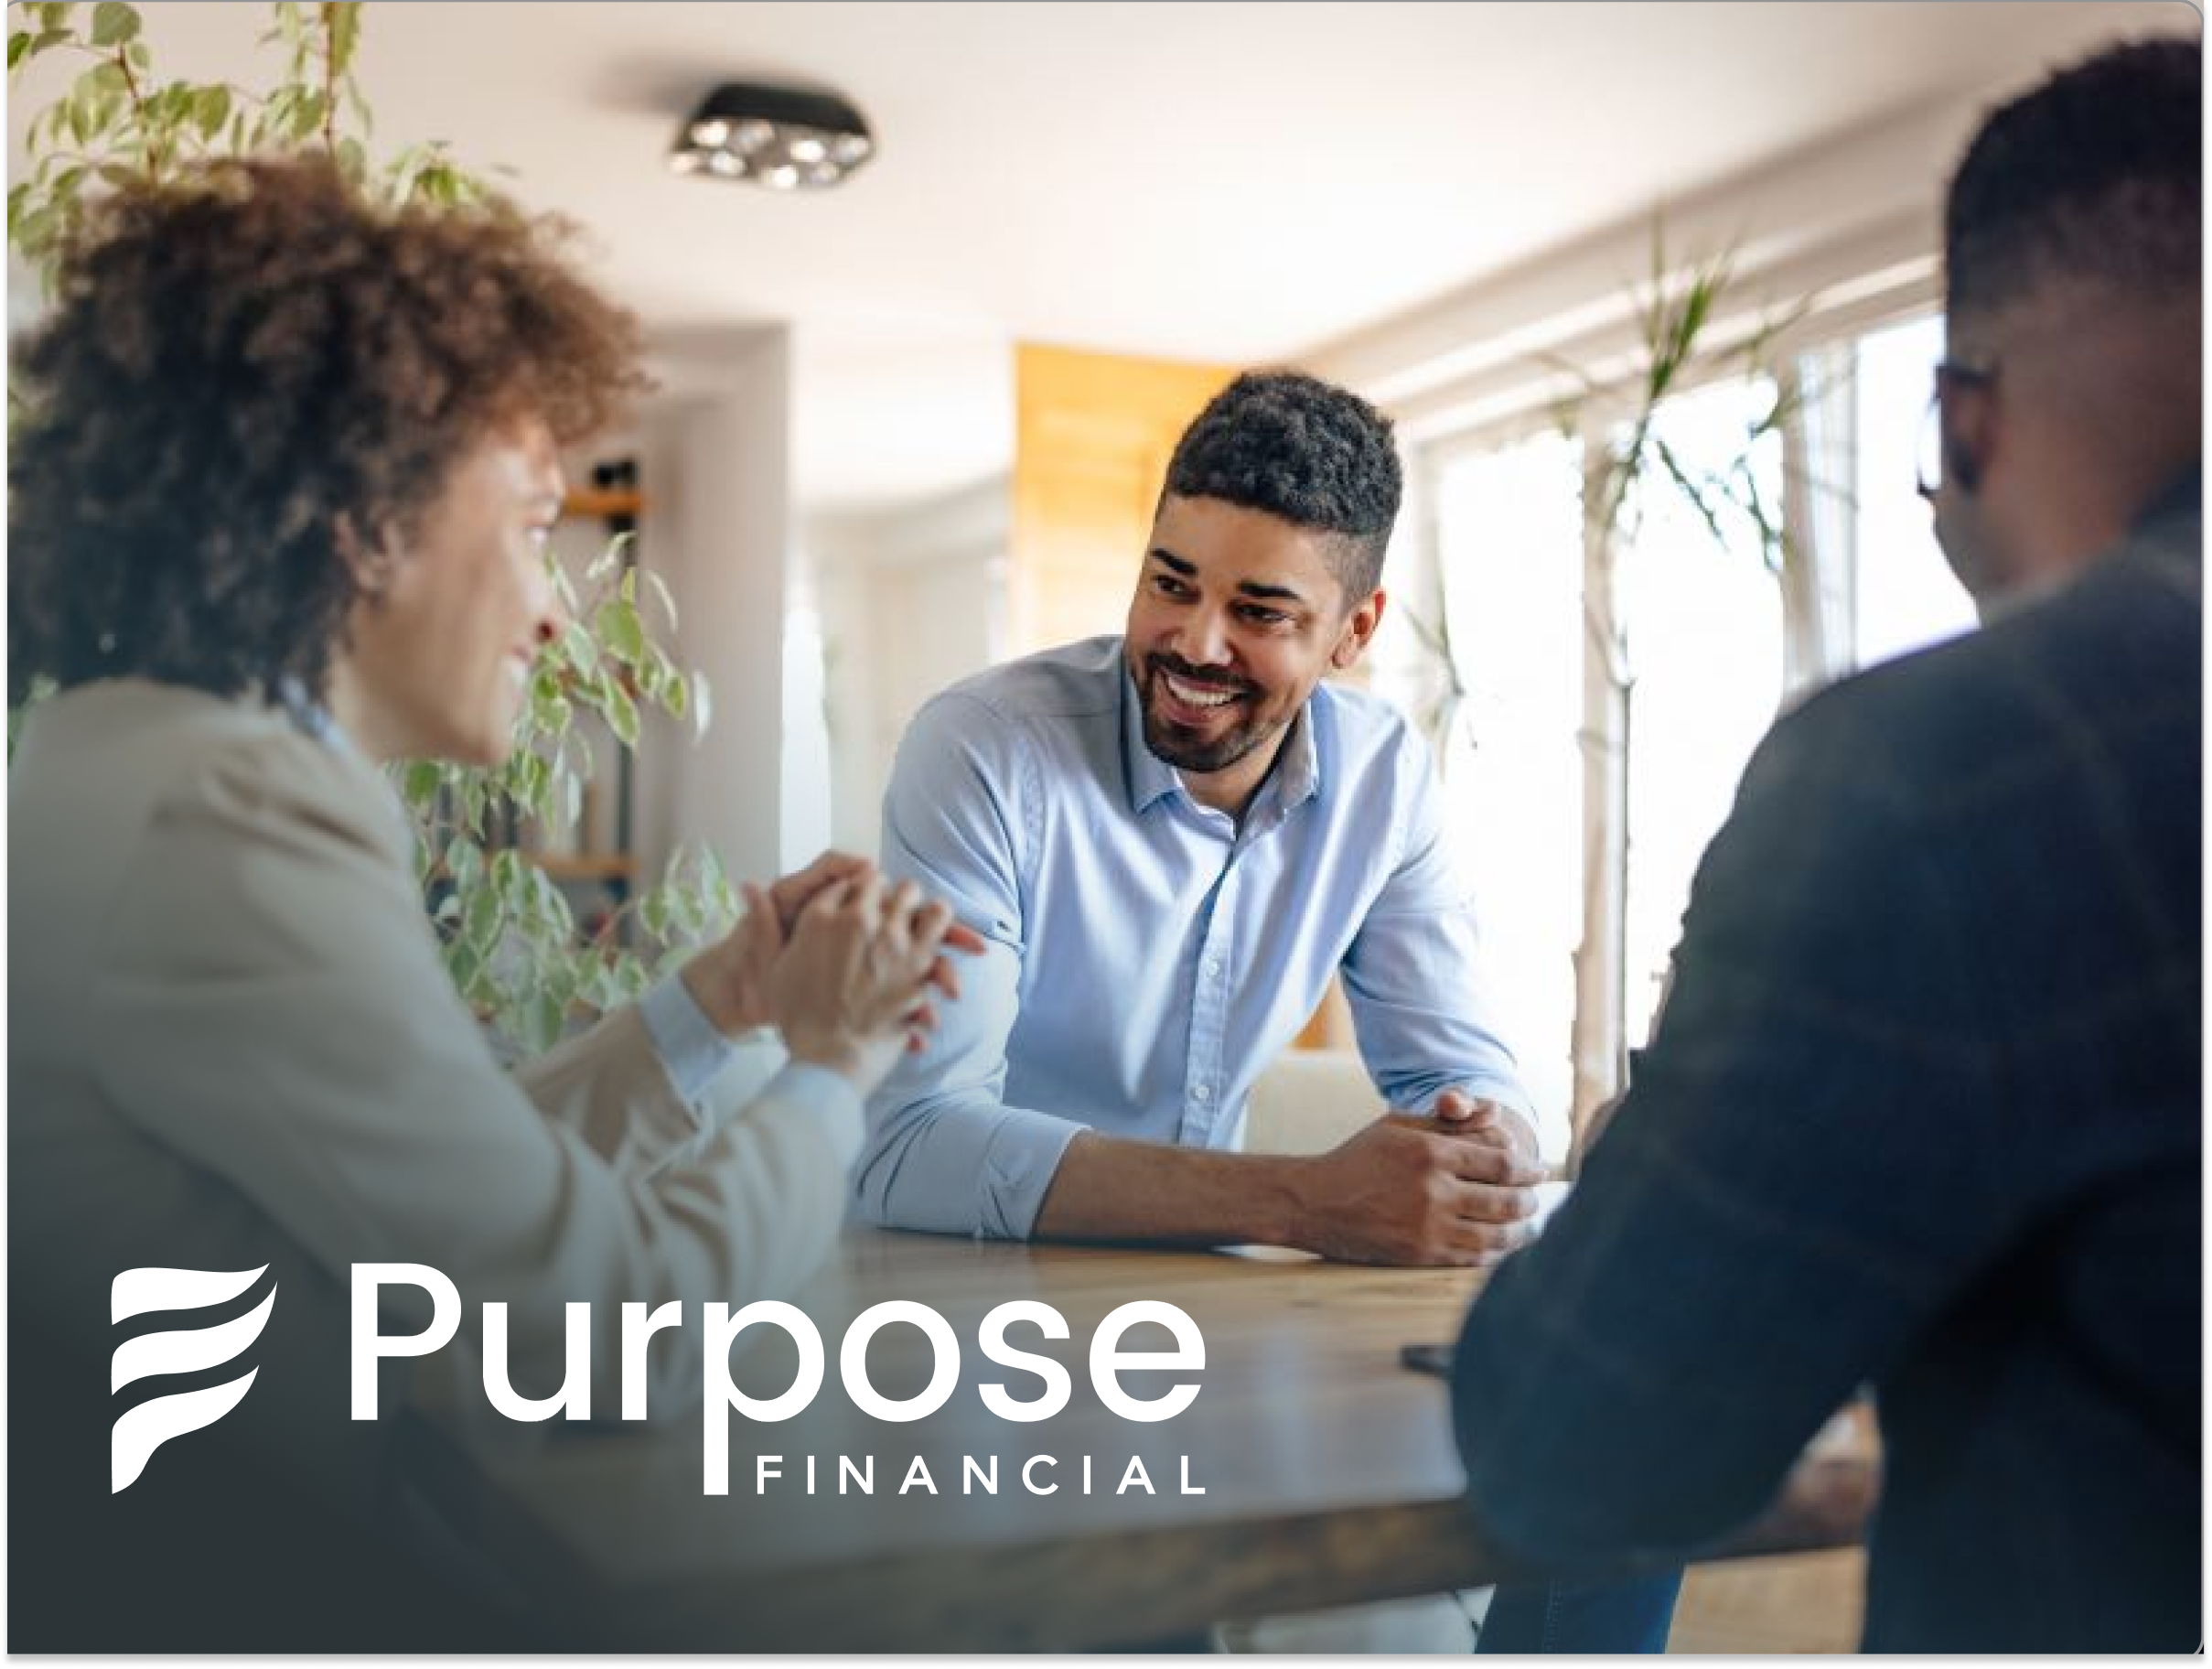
pixel 786 138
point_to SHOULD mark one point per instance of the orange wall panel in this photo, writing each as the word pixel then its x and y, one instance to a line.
pixel 1093 433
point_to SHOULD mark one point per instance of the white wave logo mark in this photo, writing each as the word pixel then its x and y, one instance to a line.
pixel 145 1429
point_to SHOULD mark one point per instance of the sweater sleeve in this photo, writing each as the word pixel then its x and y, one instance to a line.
pixel 289 1027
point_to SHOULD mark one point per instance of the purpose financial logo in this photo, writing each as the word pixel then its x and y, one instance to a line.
pixel 147 1425
pixel 144 1428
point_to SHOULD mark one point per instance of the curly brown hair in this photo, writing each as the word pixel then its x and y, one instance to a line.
pixel 241 357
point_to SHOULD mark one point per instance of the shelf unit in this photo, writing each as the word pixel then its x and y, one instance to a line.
pixel 586 865
pixel 603 504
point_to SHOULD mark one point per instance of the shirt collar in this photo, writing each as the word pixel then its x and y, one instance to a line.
pixel 1295 779
pixel 1147 776
pixel 310 718
pixel 2184 494
pixel 1297 773
pixel 2157 527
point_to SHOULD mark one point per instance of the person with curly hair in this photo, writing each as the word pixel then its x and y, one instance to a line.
pixel 281 473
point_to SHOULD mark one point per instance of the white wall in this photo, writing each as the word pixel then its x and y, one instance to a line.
pixel 1853 222
pixel 818 636
pixel 1847 224
pixel 715 466
pixel 805 806
pixel 1848 229
pixel 909 600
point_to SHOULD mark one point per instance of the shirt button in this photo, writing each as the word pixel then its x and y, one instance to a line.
pixel 1203 1092
pixel 1213 967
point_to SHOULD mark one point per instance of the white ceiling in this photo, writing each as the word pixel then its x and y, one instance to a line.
pixel 1225 181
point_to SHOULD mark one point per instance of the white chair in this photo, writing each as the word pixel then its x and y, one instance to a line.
pixel 1308 1099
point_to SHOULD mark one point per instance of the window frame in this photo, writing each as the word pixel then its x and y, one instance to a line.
pixel 1817 592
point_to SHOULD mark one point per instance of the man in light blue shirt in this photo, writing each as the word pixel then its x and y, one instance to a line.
pixel 1171 841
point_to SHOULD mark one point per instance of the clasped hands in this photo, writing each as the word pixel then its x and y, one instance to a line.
pixel 841 961
pixel 1454 1186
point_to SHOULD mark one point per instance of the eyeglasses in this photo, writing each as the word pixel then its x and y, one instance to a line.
pixel 1949 374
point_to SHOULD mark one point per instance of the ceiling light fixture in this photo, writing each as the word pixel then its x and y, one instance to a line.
pixel 785 138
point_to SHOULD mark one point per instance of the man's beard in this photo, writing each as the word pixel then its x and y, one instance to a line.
pixel 1172 744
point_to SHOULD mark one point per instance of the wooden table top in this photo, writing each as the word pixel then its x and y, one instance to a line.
pixel 1328 1471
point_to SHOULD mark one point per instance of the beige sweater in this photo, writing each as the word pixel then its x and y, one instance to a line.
pixel 231 1042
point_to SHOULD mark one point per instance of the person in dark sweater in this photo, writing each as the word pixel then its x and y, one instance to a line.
pixel 1924 1111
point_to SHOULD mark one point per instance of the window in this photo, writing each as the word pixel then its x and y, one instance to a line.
pixel 1510 544
pixel 1713 639
pixel 1703 622
pixel 1903 594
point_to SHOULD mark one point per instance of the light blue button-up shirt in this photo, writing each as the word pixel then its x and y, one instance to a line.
pixel 1147 958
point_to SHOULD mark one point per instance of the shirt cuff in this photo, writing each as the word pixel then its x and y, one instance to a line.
pixel 1554 1135
pixel 1020 1160
pixel 829 1096
pixel 692 1051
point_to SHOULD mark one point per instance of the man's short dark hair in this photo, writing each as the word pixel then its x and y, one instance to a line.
pixel 1294 446
pixel 2095 174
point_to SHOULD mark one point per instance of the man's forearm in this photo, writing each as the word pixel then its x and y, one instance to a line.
pixel 1106 1189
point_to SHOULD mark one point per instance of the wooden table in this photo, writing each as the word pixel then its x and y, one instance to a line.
pixel 1328 1471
